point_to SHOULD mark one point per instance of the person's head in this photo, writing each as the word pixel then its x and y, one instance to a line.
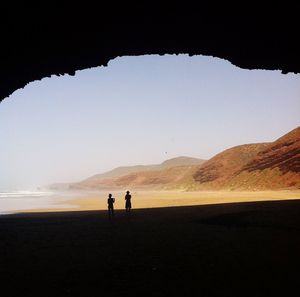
pixel 109 195
pixel 127 192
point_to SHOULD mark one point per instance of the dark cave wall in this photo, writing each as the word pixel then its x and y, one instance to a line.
pixel 61 37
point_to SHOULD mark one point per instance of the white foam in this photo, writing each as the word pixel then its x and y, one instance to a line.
pixel 24 194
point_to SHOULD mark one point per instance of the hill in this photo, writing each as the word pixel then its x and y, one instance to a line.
pixel 221 168
pixel 260 166
pixel 147 176
pixel 274 165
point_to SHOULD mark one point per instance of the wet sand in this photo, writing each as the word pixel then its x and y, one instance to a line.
pixel 232 249
pixel 154 199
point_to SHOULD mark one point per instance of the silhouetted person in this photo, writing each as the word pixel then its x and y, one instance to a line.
pixel 128 201
pixel 110 202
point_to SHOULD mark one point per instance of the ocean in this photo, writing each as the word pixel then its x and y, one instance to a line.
pixel 16 201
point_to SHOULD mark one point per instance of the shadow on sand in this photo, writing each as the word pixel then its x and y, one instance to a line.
pixel 236 249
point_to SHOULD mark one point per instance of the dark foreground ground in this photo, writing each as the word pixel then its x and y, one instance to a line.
pixel 245 249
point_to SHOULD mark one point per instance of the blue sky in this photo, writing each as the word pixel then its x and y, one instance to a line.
pixel 139 110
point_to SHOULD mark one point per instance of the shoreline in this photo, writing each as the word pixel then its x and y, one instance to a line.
pixel 158 199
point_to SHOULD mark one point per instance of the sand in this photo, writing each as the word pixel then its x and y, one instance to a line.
pixel 154 199
pixel 233 249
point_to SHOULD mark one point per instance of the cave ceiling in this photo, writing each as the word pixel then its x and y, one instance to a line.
pixel 57 38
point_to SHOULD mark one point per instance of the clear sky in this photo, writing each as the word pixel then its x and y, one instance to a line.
pixel 139 110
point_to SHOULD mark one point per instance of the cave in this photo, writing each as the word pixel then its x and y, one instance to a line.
pixel 57 38
pixel 247 249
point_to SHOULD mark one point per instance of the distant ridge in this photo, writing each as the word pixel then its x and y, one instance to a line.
pixel 123 170
pixel 259 166
pixel 181 161
pixel 118 176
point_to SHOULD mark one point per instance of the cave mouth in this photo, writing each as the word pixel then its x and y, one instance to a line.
pixel 138 111
pixel 52 38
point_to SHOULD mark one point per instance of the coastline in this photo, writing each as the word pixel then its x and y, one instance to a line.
pixel 158 199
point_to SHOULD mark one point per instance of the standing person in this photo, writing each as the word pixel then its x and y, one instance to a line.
pixel 128 201
pixel 110 202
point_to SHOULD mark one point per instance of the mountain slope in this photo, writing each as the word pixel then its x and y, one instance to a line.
pixel 259 166
pixel 140 175
pixel 274 165
pixel 181 161
pixel 283 153
pixel 216 172
pixel 168 178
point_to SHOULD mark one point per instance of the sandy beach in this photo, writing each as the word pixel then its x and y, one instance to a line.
pixel 155 199
pixel 233 249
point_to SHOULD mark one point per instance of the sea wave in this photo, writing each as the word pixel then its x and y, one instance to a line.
pixel 24 194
